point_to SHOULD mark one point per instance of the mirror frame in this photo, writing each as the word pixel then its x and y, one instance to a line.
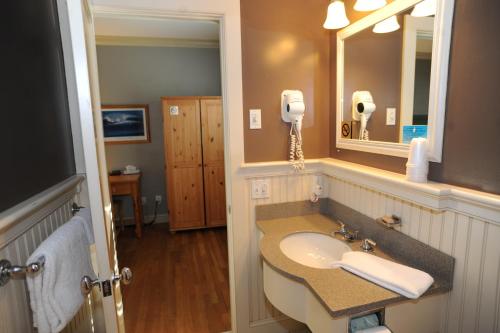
pixel 438 85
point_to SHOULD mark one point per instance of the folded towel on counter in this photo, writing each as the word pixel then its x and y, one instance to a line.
pixel 86 218
pixel 402 279
pixel 55 295
pixel 378 329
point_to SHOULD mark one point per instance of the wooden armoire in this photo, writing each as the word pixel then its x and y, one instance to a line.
pixel 194 161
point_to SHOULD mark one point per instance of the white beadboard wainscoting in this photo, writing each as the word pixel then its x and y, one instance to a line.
pixel 284 188
pixel 41 216
pixel 462 223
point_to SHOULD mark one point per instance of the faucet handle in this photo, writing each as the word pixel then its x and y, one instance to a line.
pixel 342 226
pixel 368 245
pixel 351 236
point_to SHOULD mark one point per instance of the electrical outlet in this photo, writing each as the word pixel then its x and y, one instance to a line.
pixel 144 200
pixel 158 199
pixel 261 189
pixel 390 115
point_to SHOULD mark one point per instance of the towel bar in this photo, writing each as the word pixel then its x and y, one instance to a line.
pixel 8 271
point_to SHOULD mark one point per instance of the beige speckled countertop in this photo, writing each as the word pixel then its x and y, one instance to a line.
pixel 341 292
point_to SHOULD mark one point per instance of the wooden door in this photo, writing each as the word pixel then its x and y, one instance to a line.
pixel 213 161
pixel 85 59
pixel 183 159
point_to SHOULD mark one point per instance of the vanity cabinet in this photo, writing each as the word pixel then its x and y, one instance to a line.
pixel 416 316
pixel 194 161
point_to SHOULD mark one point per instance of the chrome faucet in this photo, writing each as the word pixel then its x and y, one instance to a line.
pixel 368 245
pixel 348 235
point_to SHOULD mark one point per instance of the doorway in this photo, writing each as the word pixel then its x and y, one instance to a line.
pixel 181 281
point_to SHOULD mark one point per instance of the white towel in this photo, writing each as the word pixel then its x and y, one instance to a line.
pixel 55 295
pixel 86 218
pixel 378 329
pixel 402 279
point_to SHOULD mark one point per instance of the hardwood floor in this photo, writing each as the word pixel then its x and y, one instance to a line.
pixel 181 281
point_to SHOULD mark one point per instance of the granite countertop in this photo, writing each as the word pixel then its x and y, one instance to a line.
pixel 342 293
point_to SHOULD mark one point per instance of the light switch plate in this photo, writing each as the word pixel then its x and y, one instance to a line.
pixel 255 119
pixel 390 116
pixel 261 189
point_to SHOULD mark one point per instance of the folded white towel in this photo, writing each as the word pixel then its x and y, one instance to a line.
pixel 402 279
pixel 86 217
pixel 55 295
pixel 378 329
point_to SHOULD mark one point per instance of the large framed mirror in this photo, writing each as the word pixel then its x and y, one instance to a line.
pixel 392 72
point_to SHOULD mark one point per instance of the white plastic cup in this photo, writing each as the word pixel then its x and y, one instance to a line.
pixel 418 151
pixel 416 174
pixel 417 166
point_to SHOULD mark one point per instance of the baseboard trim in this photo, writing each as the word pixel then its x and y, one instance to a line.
pixel 160 218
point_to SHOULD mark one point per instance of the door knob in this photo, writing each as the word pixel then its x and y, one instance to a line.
pixel 87 283
pixel 125 276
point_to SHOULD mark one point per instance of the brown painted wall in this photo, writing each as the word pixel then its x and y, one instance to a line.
pixel 285 47
pixel 471 152
pixel 373 62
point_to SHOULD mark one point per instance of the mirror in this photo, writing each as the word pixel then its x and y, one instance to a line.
pixel 391 78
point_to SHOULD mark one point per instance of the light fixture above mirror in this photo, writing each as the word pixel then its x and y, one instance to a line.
pixel 424 8
pixel 388 25
pixel 336 17
pixel 369 5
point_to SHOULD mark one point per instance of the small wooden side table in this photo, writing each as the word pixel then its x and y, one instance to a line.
pixel 129 185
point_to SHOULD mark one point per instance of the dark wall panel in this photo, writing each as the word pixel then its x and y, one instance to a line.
pixel 471 153
pixel 35 133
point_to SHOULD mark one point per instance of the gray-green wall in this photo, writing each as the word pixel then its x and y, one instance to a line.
pixel 142 75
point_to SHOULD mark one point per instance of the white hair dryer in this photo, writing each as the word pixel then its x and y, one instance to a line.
pixel 292 111
pixel 362 109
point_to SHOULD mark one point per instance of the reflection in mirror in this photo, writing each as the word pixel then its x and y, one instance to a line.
pixel 415 76
pixel 391 62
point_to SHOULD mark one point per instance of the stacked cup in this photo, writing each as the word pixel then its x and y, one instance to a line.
pixel 417 166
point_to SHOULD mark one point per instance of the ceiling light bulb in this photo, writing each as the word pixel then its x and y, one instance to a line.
pixel 388 25
pixel 424 8
pixel 369 5
pixel 336 17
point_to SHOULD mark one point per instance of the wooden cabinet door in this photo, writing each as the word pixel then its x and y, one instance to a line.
pixel 183 160
pixel 182 132
pixel 187 209
pixel 215 195
pixel 213 161
pixel 212 131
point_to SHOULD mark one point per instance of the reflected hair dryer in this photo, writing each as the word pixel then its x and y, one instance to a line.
pixel 362 109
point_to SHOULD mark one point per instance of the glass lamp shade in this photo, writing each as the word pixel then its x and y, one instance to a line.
pixel 388 25
pixel 336 17
pixel 424 8
pixel 369 5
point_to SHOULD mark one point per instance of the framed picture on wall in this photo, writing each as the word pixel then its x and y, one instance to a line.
pixel 126 123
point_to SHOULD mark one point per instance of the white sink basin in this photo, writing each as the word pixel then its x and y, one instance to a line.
pixel 313 249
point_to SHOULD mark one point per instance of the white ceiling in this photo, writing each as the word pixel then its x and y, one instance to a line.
pixel 157 28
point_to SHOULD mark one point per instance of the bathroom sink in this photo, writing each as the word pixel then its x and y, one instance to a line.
pixel 313 249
